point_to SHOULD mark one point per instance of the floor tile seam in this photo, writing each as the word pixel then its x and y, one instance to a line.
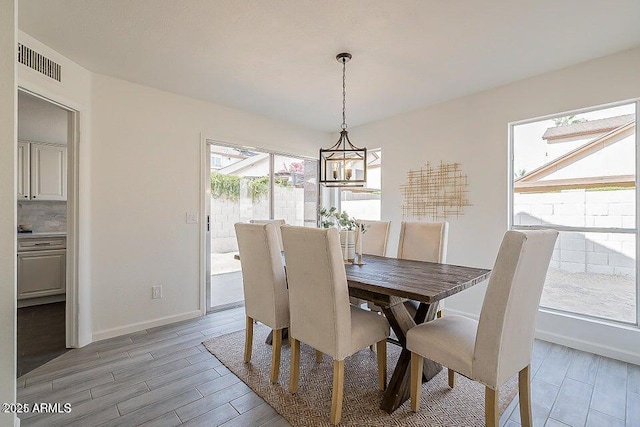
pixel 164 400
pixel 609 415
pixel 154 367
pixel 79 383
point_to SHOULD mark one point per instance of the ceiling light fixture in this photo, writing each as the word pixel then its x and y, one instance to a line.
pixel 343 165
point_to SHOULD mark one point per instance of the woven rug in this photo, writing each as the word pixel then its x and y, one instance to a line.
pixel 310 406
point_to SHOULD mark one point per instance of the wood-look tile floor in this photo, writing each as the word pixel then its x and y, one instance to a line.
pixel 165 377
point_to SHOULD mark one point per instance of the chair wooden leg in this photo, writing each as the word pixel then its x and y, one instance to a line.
pixel 338 389
pixel 492 418
pixel 524 389
pixel 416 380
pixel 452 378
pixel 248 341
pixel 381 350
pixel 275 355
pixel 295 364
pixel 319 356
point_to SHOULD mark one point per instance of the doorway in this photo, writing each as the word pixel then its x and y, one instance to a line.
pixel 47 230
pixel 245 184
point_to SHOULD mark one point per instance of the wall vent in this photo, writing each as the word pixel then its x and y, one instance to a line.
pixel 38 62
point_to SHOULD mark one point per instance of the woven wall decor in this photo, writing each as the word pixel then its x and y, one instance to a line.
pixel 435 192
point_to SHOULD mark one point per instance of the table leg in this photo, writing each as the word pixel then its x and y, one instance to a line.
pixel 285 335
pixel 398 390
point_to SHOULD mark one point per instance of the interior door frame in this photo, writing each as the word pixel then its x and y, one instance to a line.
pixel 73 215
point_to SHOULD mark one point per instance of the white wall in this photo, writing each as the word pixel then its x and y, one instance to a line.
pixel 8 22
pixel 145 177
pixel 74 91
pixel 41 121
pixel 473 131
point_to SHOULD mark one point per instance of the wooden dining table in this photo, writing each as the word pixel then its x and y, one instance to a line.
pixel 389 283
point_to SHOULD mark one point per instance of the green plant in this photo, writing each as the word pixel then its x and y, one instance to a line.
pixel 331 217
pixel 228 186
pixel 568 120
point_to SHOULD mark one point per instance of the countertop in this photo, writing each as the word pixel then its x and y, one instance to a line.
pixel 38 235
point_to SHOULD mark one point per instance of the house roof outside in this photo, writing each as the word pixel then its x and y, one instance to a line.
pixel 588 128
pixel 533 181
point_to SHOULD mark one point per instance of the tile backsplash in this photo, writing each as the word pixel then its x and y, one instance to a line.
pixel 43 216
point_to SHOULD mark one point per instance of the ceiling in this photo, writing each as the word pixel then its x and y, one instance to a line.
pixel 277 57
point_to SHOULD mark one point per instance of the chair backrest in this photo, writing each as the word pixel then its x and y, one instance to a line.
pixel 374 239
pixel 504 341
pixel 318 292
pixel 265 286
pixel 277 222
pixel 423 241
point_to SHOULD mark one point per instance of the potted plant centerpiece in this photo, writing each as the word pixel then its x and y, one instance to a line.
pixel 347 226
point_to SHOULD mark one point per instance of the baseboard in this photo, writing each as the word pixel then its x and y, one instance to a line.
pixel 591 346
pixel 135 327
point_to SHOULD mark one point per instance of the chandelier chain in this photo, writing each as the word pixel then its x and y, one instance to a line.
pixel 344 95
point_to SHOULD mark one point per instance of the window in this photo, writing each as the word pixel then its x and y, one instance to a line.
pixel 364 203
pixel 576 173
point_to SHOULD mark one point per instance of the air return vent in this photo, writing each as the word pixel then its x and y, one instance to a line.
pixel 40 63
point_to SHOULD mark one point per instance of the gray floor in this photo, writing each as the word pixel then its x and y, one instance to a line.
pixel 165 377
pixel 161 377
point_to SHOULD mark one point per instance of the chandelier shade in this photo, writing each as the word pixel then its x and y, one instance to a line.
pixel 343 164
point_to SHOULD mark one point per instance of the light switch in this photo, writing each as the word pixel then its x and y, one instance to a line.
pixel 192 218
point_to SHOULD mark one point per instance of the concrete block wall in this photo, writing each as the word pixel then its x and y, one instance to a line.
pixel 225 213
pixel 603 253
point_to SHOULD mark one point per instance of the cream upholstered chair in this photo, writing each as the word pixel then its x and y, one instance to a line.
pixel 423 241
pixel 497 346
pixel 321 315
pixel 374 242
pixel 266 298
pixel 277 222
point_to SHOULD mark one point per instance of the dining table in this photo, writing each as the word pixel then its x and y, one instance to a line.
pixel 390 283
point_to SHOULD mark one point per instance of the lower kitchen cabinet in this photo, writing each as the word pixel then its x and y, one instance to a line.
pixel 41 273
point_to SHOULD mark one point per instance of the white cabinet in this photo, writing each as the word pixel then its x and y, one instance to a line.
pixel 42 171
pixel 42 265
pixel 41 273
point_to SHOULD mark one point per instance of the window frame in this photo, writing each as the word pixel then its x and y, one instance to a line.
pixel 634 231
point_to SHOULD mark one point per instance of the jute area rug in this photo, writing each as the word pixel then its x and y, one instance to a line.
pixel 310 406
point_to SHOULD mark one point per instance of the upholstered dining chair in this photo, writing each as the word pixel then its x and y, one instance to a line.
pixel 374 242
pixel 321 315
pixel 277 222
pixel 499 345
pixel 423 241
pixel 374 239
pixel 266 298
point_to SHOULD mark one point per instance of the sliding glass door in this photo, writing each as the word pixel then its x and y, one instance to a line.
pixel 251 184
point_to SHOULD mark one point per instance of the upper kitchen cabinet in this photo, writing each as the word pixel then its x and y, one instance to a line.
pixel 42 171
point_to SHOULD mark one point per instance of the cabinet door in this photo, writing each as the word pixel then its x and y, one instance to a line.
pixel 24 170
pixel 41 273
pixel 48 172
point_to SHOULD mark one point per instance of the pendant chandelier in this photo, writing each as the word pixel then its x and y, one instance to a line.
pixel 343 165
